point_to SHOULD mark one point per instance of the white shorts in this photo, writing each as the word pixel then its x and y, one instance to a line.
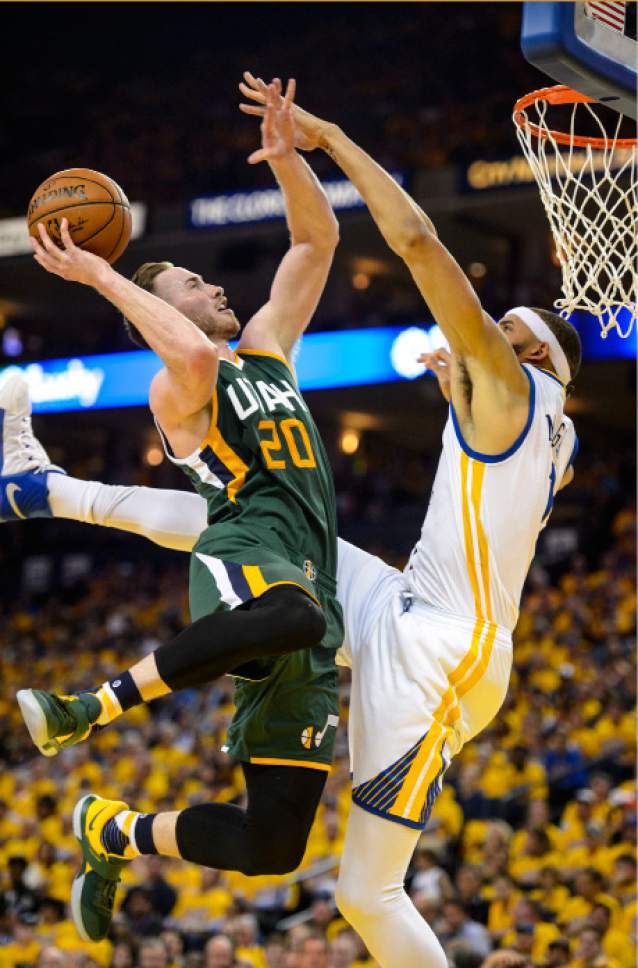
pixel 424 682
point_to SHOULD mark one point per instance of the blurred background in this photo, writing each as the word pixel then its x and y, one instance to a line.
pixel 532 844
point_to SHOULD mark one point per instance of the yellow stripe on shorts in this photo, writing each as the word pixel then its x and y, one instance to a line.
pixel 472 666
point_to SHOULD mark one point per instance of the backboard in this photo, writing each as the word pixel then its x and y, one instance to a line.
pixel 589 46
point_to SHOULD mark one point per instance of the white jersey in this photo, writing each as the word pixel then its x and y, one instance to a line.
pixel 486 512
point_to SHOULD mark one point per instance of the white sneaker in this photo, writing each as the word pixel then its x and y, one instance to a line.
pixel 20 449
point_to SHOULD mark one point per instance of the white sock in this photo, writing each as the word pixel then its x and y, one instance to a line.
pixel 172 519
pixel 371 895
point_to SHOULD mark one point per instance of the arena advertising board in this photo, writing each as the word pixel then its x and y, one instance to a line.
pixel 515 171
pixel 325 361
pixel 261 205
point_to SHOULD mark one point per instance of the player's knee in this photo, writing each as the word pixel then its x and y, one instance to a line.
pixel 359 900
pixel 354 902
pixel 305 620
pixel 281 855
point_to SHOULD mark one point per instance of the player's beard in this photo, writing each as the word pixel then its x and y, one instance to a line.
pixel 518 349
pixel 220 326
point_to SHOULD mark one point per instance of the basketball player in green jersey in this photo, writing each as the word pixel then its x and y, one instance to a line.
pixel 262 582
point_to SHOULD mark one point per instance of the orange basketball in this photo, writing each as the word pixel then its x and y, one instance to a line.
pixel 97 209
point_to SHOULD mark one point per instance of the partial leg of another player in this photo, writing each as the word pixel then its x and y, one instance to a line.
pixel 372 897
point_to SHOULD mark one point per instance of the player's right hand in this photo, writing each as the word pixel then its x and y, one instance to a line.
pixel 308 129
pixel 68 261
pixel 439 363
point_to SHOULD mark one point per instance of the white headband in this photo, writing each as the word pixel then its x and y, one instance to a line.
pixel 541 330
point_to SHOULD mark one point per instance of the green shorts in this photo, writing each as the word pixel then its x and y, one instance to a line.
pixel 287 708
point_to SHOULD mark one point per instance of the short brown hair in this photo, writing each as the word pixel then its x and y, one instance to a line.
pixel 144 277
pixel 568 338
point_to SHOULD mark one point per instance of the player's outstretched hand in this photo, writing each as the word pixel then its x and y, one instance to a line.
pixel 66 259
pixel 439 363
pixel 277 129
pixel 307 128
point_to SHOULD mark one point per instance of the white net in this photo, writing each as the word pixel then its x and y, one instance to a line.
pixel 589 192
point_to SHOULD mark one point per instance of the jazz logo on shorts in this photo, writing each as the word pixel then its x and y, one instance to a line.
pixel 307 737
pixel 311 736
pixel 309 570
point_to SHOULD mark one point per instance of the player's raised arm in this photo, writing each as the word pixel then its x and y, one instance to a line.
pixel 189 358
pixel 314 230
pixel 471 333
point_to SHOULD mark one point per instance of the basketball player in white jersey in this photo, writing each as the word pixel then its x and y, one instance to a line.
pixel 430 648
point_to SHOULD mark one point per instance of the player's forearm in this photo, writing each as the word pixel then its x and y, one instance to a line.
pixel 398 216
pixel 175 339
pixel 309 215
pixel 411 234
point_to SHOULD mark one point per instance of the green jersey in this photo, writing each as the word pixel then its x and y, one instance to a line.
pixel 262 466
pixel 265 475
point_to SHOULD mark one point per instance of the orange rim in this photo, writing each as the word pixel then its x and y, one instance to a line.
pixel 561 94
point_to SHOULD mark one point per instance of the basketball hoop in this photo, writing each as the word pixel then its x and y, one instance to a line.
pixel 589 192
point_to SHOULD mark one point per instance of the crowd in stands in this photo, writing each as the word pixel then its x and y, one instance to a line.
pixel 159 112
pixel 529 857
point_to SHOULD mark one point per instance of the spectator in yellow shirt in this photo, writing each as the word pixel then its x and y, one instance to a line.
pixel 243 930
pixel 616 944
pixel 622 882
pixel 204 902
pixel 537 854
pixel 521 939
pixel 590 954
pixel 576 815
pixel 527 772
pixel 600 785
pixel 616 731
pixel 558 953
pixel 550 893
pixel 9 824
pixel 25 947
pixel 537 819
pixel 495 849
pixel 534 941
pixel 593 852
pixel 588 891
pixel 500 917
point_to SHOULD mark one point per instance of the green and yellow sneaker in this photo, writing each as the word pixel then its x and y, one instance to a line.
pixel 95 884
pixel 55 722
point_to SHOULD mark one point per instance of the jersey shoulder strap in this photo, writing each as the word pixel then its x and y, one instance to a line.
pixel 270 364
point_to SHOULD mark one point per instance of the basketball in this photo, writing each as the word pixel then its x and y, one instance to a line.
pixel 97 209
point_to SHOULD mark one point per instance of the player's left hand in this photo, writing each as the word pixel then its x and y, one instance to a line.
pixel 67 260
pixel 307 129
pixel 277 128
pixel 439 363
